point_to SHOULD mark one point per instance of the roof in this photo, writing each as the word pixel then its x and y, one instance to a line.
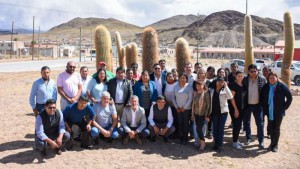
pixel 281 43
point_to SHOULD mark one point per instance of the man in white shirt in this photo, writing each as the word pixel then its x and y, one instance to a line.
pixel 85 79
pixel 158 78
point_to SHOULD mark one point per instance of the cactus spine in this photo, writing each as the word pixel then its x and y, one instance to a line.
pixel 134 53
pixel 128 55
pixel 182 54
pixel 289 40
pixel 103 47
pixel 150 48
pixel 119 48
pixel 249 58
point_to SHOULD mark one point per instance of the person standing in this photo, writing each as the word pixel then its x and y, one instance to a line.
pixel 85 79
pixel 50 129
pixel 136 75
pixel 69 85
pixel 97 85
pixel 253 83
pixel 120 90
pixel 162 64
pixel 158 77
pixel 42 89
pixel 182 100
pixel 276 98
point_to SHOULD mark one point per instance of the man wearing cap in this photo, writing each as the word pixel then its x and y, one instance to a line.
pixel 78 118
pixel 109 74
pixel 42 89
pixel 50 129
pixel 120 90
pixel 160 119
pixel 253 84
pixel 69 85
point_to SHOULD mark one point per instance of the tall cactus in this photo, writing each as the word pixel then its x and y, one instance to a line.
pixel 103 47
pixel 134 53
pixel 119 48
pixel 128 55
pixel 289 39
pixel 123 53
pixel 150 48
pixel 182 54
pixel 249 58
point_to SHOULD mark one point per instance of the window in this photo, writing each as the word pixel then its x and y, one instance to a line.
pixel 278 64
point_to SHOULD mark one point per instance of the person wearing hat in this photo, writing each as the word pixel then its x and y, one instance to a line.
pixel 219 110
pixel 160 119
pixel 109 74
pixel 253 83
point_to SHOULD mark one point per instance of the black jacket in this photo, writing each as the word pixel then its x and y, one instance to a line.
pixel 282 99
pixel 261 82
pixel 112 86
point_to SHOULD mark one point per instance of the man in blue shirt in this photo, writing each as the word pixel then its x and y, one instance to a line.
pixel 50 129
pixel 78 118
pixel 42 89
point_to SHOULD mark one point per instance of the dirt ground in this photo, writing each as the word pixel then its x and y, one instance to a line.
pixel 17 140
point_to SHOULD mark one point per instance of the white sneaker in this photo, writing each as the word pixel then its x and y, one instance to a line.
pixel 240 144
pixel 236 146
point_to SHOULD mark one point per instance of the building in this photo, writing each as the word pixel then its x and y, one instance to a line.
pixel 280 45
pixel 14 47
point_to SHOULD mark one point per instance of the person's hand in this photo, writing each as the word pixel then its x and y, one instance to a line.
pixel 163 131
pixel 182 109
pixel 236 113
pixel 59 141
pixel 53 145
pixel 225 84
pixel 192 118
pixel 107 133
pixel 207 119
pixel 111 102
pixel 88 127
pixel 128 105
pixel 178 110
pixel 156 130
pixel 68 129
pixel 131 134
pixel 36 112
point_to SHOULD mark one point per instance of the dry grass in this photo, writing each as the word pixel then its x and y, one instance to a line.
pixel 17 128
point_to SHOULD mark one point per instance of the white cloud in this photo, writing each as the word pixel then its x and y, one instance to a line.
pixel 50 13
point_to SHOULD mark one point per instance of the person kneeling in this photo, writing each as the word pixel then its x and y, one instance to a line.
pixel 50 129
pixel 133 122
pixel 160 120
pixel 105 121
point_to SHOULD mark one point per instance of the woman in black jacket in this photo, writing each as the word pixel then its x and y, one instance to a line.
pixel 276 99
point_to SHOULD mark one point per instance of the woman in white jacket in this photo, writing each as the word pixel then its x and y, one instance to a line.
pixel 219 110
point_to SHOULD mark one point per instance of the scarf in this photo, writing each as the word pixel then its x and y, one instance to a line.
pixel 271 101
pixel 200 103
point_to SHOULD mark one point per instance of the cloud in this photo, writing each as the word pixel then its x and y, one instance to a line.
pixel 50 13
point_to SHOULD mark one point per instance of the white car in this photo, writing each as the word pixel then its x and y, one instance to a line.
pixel 239 62
pixel 295 70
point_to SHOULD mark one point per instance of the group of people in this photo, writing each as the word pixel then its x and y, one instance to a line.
pixel 129 105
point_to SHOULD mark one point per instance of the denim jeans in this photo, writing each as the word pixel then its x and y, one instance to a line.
pixel 258 116
pixel 96 132
pixel 199 123
pixel 144 133
pixel 218 129
pixel 41 144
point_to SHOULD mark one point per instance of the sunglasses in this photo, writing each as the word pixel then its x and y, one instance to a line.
pixel 72 67
pixel 51 108
pixel 157 68
pixel 135 67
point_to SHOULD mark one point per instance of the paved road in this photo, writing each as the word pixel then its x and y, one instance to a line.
pixel 35 65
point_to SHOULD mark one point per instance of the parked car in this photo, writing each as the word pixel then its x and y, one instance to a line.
pixel 295 70
pixel 260 63
pixel 239 62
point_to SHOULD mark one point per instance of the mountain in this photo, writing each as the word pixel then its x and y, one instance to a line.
pixel 177 21
pixel 225 27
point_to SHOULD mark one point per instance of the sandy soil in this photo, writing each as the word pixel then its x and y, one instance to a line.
pixel 17 128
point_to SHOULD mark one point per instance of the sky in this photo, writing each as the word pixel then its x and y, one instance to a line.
pixel 50 13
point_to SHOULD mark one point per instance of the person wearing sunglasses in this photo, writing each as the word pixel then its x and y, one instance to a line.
pixel 158 77
pixel 50 129
pixel 69 85
pixel 253 83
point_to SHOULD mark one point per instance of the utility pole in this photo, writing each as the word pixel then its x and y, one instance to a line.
pixel 80 46
pixel 38 43
pixel 91 44
pixel 246 7
pixel 11 39
pixel 198 38
pixel 32 44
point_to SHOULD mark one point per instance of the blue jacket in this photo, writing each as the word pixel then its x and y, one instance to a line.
pixel 137 90
pixel 282 99
pixel 163 77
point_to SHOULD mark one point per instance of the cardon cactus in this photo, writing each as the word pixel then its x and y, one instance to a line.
pixel 150 48
pixel 289 40
pixel 119 48
pixel 128 55
pixel 182 54
pixel 134 53
pixel 249 56
pixel 123 53
pixel 103 47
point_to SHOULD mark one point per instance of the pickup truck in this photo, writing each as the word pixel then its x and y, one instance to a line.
pixel 295 70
